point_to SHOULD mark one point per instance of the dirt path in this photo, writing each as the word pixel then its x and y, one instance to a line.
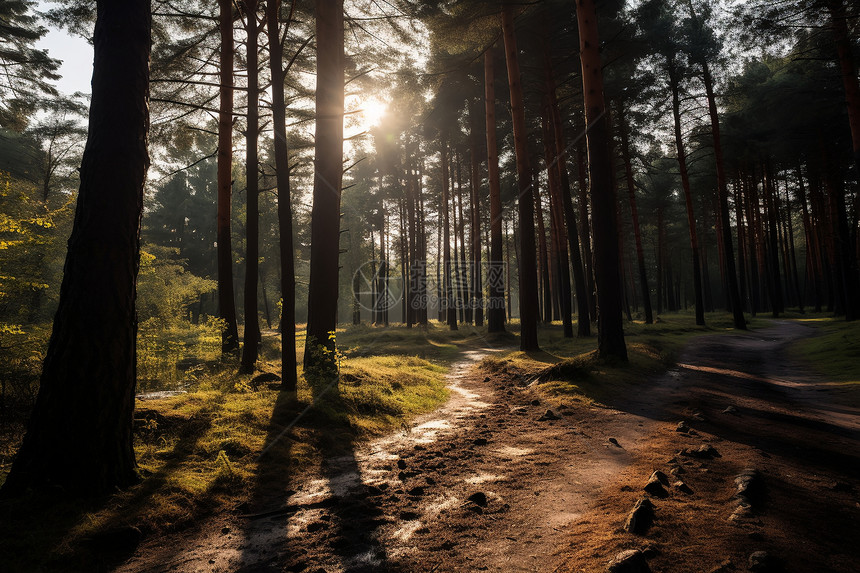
pixel 745 396
pixel 488 483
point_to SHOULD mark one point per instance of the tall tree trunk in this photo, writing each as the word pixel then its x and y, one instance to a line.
pixel 466 314
pixel 674 86
pixel 475 185
pixel 226 296
pixel 634 214
pixel 328 177
pixel 839 26
pixel 79 437
pixel 527 264
pixel 450 307
pixel 250 350
pixel 496 275
pixel 554 166
pixel 545 302
pixel 585 229
pixel 610 329
pixel 580 285
pixel 289 376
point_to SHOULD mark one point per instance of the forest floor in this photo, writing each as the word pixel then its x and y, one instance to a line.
pixel 506 477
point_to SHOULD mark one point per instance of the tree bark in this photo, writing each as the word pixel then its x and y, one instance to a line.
pixel 475 184
pixel 328 177
pixel 674 86
pixel 610 329
pixel 79 437
pixel 450 307
pixel 634 214
pixel 496 275
pixel 289 376
pixel 250 350
pixel 527 264
pixel 226 296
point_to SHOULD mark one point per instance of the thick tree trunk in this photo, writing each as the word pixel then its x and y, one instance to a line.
pixel 688 196
pixel 79 437
pixel 496 274
pixel 527 264
pixel 634 215
pixel 250 349
pixel 328 177
pixel 289 376
pixel 610 329
pixel 226 296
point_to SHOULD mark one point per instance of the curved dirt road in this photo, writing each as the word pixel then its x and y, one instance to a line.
pixel 488 483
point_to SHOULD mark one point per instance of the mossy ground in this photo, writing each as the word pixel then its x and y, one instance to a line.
pixel 567 370
pixel 834 352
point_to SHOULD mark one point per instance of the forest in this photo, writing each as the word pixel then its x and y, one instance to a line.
pixel 443 285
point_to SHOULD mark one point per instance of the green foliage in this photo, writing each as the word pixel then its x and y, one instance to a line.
pixel 165 288
pixel 19 92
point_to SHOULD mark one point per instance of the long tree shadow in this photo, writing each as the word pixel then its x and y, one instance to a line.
pixel 333 521
pixel 356 514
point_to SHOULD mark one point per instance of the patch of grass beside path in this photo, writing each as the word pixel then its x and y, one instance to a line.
pixel 835 353
pixel 567 370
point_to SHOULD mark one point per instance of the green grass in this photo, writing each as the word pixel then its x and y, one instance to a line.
pixel 835 353
pixel 567 370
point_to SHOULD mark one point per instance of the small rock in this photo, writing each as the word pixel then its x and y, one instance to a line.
pixel 535 402
pixel 409 515
pixel 750 487
pixel 682 427
pixel 225 530
pixel 731 410
pixel 478 498
pixel 697 415
pixel 742 511
pixel 640 517
pixel 704 452
pixel 677 470
pixel 401 464
pixel 630 561
pixel 682 487
pixel 520 410
pixel 762 562
pixel 416 491
pixel 626 488
pixel 655 486
pixel 486 378
pixel 480 442
pixel 660 476
pixel 548 415
pixel 614 441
